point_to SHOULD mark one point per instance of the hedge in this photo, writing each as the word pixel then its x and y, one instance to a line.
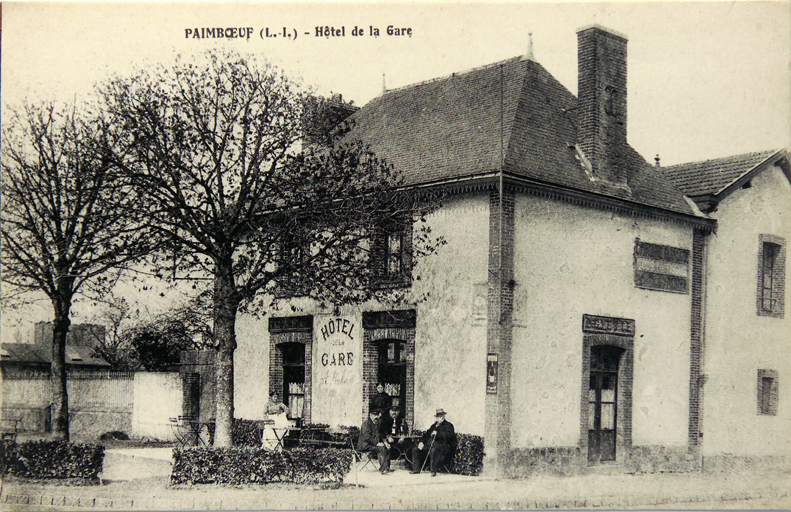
pixel 467 460
pixel 245 433
pixel 245 465
pixel 51 459
pixel 468 457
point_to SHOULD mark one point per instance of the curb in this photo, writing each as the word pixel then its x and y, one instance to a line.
pixel 608 502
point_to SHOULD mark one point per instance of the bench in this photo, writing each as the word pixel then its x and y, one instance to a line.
pixel 9 428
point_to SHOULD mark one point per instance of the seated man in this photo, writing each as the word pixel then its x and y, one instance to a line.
pixel 370 441
pixel 438 444
pixel 392 429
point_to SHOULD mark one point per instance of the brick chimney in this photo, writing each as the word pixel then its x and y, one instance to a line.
pixel 601 92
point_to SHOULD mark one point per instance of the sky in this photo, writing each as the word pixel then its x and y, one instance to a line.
pixel 705 80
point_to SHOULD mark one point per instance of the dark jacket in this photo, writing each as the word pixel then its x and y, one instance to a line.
pixel 446 435
pixel 386 426
pixel 369 436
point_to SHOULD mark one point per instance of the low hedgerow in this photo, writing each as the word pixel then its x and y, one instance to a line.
pixel 247 465
pixel 8 455
pixel 52 459
pixel 245 433
pixel 468 459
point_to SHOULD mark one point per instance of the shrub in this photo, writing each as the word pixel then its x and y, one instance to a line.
pixel 468 459
pixel 245 433
pixel 245 465
pixel 53 459
pixel 8 455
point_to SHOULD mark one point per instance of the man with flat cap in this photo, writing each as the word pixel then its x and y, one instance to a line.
pixel 371 441
pixel 393 429
pixel 438 444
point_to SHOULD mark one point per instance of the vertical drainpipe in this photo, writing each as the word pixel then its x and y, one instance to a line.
pixel 497 405
pixel 703 374
pixel 502 165
pixel 500 270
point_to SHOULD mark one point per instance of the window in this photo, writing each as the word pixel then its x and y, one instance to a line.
pixel 661 267
pixel 395 254
pixel 771 276
pixel 767 392
pixel 768 303
pixel 392 258
pixel 293 255
pixel 294 377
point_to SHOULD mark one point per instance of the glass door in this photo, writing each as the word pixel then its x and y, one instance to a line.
pixel 392 371
pixel 293 378
pixel 603 403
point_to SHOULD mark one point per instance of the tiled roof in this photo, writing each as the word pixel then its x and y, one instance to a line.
pixel 37 354
pixel 512 111
pixel 713 176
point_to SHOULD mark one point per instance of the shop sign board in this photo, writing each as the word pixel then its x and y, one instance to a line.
pixel 337 370
pixel 608 325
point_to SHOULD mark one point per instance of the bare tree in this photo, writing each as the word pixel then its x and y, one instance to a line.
pixel 136 341
pixel 216 145
pixel 67 221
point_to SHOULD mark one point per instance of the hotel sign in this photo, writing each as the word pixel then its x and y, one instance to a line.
pixel 337 370
pixel 607 325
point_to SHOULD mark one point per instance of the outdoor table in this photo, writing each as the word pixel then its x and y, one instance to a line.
pixel 188 431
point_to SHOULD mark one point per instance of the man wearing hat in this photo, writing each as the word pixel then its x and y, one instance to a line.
pixel 392 429
pixel 438 444
pixel 371 441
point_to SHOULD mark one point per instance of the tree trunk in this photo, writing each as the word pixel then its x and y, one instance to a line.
pixel 226 303
pixel 60 397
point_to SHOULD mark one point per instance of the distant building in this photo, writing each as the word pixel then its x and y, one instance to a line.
pixel 25 377
pixel 81 342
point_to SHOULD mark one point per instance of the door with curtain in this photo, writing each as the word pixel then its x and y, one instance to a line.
pixel 603 403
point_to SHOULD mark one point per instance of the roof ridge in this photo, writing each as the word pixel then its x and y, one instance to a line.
pixel 768 152
pixel 518 58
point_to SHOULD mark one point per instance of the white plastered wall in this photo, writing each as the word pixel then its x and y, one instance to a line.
pixel 571 260
pixel 738 340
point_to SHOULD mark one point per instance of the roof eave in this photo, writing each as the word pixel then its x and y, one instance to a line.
pixel 780 158
pixel 583 197
pixel 489 181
